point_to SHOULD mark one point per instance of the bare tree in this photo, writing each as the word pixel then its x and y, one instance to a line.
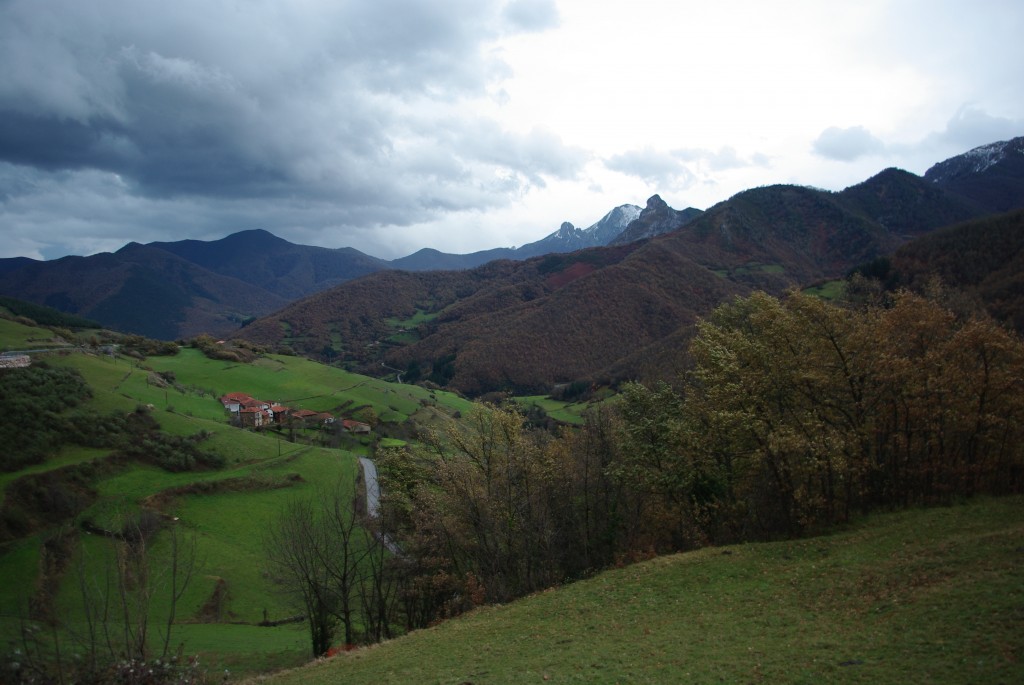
pixel 117 603
pixel 117 592
pixel 315 549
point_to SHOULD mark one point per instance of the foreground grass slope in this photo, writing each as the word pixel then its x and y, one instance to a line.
pixel 925 596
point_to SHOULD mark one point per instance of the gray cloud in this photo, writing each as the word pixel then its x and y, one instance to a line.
pixel 661 169
pixel 532 15
pixel 346 115
pixel 680 169
pixel 724 159
pixel 971 126
pixel 847 144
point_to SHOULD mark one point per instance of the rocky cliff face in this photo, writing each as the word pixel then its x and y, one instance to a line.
pixel 655 219
pixel 569 238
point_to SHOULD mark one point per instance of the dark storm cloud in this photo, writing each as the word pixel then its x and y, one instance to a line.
pixel 336 107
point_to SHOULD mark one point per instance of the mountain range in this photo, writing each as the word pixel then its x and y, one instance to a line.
pixel 625 310
pixel 171 290
pixel 611 301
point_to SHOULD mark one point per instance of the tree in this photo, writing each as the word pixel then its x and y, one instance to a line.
pixel 674 485
pixel 315 549
pixel 119 589
pixel 475 512
pixel 812 410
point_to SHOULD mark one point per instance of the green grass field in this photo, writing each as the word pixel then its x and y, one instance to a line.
pixel 566 412
pixel 830 290
pixel 922 596
pixel 18 336
pixel 228 524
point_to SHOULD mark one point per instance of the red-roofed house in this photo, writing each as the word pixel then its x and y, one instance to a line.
pixel 303 415
pixel 254 417
pixel 355 426
pixel 233 401
pixel 253 403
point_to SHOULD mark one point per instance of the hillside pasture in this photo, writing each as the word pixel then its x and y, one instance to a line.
pixel 15 335
pixel 226 510
pixel 829 290
pixel 918 596
pixel 559 410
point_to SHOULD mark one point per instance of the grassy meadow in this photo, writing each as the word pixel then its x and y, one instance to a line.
pixel 19 336
pixel 920 596
pixel 559 410
pixel 932 595
pixel 227 510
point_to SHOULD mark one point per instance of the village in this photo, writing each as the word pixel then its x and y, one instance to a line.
pixel 250 412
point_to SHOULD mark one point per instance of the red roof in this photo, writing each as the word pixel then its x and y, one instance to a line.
pixel 236 397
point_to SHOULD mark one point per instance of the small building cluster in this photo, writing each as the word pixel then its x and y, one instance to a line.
pixel 254 413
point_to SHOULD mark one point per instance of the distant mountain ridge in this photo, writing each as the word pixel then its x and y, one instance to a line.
pixel 991 176
pixel 763 237
pixel 177 289
pixel 623 311
pixel 567 238
pixel 141 289
pixel 657 218
pixel 263 260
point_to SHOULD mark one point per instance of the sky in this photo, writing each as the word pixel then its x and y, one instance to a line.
pixel 461 125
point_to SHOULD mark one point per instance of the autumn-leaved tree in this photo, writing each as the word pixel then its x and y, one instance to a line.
pixel 809 411
pixel 490 510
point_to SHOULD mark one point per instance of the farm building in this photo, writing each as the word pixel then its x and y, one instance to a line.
pixel 355 426
pixel 254 417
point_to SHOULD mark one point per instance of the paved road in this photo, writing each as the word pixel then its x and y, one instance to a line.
pixel 373 501
pixel 372 487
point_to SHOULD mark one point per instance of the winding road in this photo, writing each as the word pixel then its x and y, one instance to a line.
pixel 373 501
pixel 372 487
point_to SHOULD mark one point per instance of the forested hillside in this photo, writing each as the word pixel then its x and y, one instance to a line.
pixel 797 416
pixel 984 259
pixel 606 314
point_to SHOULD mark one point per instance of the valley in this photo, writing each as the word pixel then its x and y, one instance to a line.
pixel 795 418
pixel 225 510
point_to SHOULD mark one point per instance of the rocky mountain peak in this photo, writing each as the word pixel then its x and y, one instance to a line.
pixel 655 203
pixel 656 218
pixel 990 176
pixel 975 161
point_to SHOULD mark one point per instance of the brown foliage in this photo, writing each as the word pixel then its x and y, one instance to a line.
pixel 809 412
pixel 983 258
